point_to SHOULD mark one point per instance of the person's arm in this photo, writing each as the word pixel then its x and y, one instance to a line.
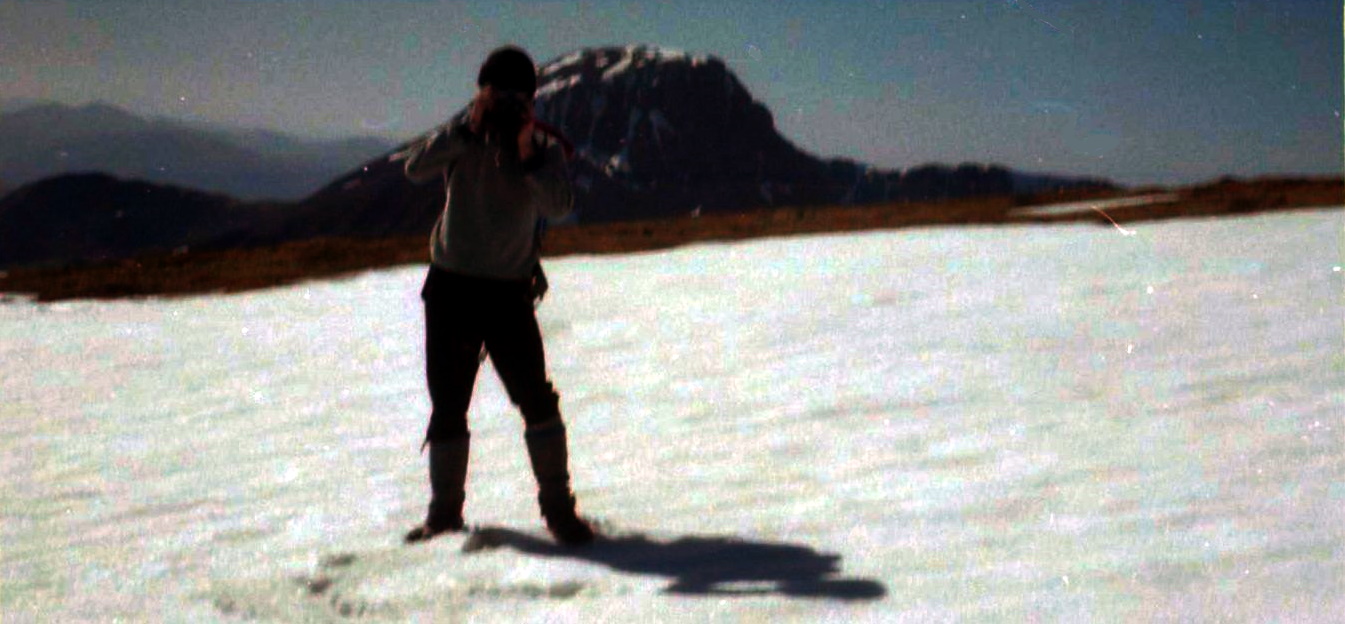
pixel 426 159
pixel 441 150
pixel 548 178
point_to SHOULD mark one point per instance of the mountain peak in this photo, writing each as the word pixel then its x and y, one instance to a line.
pixel 671 131
pixel 612 62
pixel 95 107
pixel 102 108
pixel 660 132
pixel 64 120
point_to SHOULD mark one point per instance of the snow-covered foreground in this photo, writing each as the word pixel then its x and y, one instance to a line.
pixel 1059 423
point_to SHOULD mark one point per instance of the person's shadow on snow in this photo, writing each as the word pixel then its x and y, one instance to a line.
pixel 702 565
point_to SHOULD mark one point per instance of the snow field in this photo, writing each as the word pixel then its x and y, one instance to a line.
pixel 1061 423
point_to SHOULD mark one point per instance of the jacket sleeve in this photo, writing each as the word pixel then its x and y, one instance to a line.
pixel 427 158
pixel 549 178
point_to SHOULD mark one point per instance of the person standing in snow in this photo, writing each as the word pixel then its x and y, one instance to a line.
pixel 502 173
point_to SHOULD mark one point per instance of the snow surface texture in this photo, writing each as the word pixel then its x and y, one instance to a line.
pixel 1051 423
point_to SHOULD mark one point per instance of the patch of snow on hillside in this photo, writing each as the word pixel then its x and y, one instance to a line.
pixel 551 87
pixel 619 68
pixel 563 63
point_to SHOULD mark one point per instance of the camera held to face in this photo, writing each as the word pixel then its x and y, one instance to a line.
pixel 505 114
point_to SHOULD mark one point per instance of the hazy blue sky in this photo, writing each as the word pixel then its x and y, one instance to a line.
pixel 1141 90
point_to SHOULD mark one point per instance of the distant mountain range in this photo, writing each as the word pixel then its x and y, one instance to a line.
pixel 658 133
pixel 43 140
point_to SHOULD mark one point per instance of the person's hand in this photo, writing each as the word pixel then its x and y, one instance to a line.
pixel 480 104
pixel 525 146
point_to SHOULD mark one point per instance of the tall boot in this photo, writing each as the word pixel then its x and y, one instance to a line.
pixel 448 480
pixel 550 465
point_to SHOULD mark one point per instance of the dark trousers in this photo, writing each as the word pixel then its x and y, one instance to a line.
pixel 464 313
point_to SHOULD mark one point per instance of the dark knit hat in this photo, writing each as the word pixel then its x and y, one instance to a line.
pixel 509 69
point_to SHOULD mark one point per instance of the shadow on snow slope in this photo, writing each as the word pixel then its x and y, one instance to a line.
pixel 701 565
pixel 355 585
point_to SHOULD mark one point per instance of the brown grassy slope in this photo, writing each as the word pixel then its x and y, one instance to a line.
pixel 1223 198
pixel 248 269
pixel 215 271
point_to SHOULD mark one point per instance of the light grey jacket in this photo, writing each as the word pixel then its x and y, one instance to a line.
pixel 489 224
